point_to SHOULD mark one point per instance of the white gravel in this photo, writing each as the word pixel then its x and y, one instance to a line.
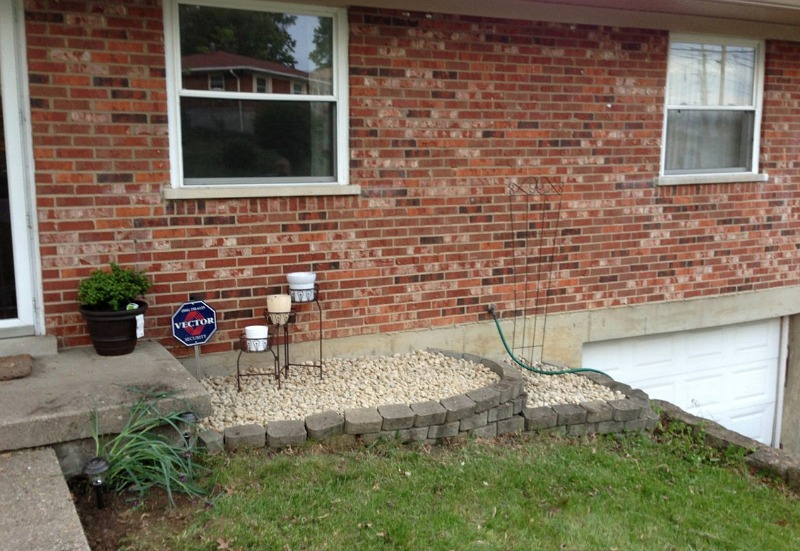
pixel 373 381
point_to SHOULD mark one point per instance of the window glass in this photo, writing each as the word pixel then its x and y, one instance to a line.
pixel 713 107
pixel 257 98
pixel 711 74
pixel 705 140
pixel 258 139
pixel 294 51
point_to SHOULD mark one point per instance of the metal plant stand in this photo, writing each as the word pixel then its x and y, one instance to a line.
pixel 244 348
pixel 285 338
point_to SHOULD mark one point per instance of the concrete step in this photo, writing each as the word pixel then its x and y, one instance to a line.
pixel 37 513
pixel 55 403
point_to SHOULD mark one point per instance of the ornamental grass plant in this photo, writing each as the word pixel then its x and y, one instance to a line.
pixel 155 448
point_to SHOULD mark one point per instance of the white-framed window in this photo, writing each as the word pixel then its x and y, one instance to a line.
pixel 713 110
pixel 248 133
pixel 216 81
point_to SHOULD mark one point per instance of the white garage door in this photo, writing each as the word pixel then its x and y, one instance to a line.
pixel 728 374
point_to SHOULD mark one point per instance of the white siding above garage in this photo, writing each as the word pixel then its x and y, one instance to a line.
pixel 729 374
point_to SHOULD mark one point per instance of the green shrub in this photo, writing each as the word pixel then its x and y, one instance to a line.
pixel 113 289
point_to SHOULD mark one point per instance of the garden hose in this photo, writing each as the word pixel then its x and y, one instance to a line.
pixel 522 364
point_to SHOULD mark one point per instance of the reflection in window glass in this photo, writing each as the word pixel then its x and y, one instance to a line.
pixel 292 52
pixel 712 107
pixel 255 139
pixel 705 140
pixel 256 94
pixel 711 74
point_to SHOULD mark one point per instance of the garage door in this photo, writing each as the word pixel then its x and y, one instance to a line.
pixel 728 374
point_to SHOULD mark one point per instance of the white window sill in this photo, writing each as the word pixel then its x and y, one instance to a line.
pixel 239 192
pixel 724 178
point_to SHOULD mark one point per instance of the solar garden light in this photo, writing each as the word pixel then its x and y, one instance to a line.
pixel 95 470
pixel 188 429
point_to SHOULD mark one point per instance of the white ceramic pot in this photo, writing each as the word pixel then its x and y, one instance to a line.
pixel 257 345
pixel 301 278
pixel 302 295
pixel 299 286
pixel 256 332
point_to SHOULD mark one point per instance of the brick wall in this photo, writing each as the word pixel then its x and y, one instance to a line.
pixel 446 113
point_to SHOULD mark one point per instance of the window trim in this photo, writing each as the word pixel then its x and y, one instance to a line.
pixel 340 97
pixel 721 176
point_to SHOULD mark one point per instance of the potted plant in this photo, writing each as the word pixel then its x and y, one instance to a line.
pixel 109 304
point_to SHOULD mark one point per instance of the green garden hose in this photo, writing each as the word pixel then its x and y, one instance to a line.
pixel 522 364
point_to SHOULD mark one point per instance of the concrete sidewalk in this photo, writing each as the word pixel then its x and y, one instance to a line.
pixel 37 512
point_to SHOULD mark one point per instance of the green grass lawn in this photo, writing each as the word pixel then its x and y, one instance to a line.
pixel 527 492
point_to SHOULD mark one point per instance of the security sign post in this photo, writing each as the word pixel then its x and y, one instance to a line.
pixel 193 324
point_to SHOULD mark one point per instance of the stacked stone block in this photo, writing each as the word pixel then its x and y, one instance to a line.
pixel 486 412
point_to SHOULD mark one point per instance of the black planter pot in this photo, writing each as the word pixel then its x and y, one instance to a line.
pixel 113 333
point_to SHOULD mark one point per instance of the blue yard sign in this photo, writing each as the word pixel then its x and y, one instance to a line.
pixel 194 323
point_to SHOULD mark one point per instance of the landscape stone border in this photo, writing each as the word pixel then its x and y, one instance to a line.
pixel 486 412
pixel 760 457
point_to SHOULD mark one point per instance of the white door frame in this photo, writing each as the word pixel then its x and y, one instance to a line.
pixel 19 161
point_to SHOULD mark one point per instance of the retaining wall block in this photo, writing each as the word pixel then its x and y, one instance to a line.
pixel 599 378
pixel 282 434
pixel 448 430
pixel 635 425
pixel 503 411
pixel 625 410
pixel 485 398
pixel 321 426
pixel 466 356
pixel 414 434
pixel 640 397
pixel 213 441
pixel 428 413
pixel 511 373
pixel 473 421
pixel 396 416
pixel 520 403
pixel 496 367
pixel 570 414
pixel 598 411
pixel 511 425
pixel 487 431
pixel 362 421
pixel 539 418
pixel 606 427
pixel 652 420
pixel 620 387
pixel 506 389
pixel 341 441
pixel 458 407
pixel 577 430
pixel 244 436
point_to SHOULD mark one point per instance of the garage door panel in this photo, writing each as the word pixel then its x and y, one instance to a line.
pixel 729 373
pixel 755 422
pixel 754 382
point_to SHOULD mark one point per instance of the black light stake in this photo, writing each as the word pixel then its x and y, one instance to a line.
pixel 189 429
pixel 95 470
